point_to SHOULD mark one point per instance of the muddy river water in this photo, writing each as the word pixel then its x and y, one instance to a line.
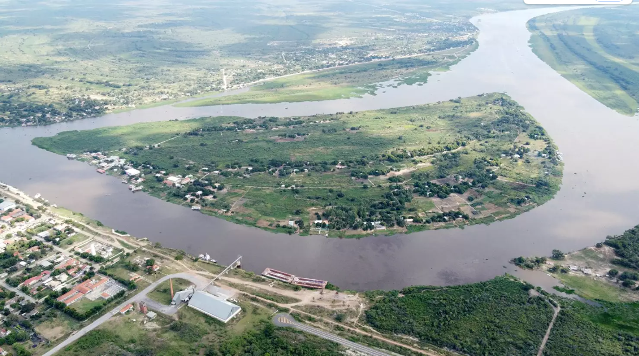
pixel 599 195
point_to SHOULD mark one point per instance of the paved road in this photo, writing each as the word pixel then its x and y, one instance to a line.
pixel 18 292
pixel 197 280
pixel 286 320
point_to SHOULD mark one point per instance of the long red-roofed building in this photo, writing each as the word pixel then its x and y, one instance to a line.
pixel 81 289
pixel 32 280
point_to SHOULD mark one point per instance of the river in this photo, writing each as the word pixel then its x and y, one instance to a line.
pixel 599 195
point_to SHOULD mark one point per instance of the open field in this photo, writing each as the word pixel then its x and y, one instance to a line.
pixel 162 294
pixel 70 60
pixel 596 49
pixel 472 160
pixel 346 82
pixel 196 334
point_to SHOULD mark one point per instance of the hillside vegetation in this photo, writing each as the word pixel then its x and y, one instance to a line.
pixel 473 160
pixel 596 49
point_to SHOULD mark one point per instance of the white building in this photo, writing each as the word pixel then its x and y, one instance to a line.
pixel 131 172
pixel 6 205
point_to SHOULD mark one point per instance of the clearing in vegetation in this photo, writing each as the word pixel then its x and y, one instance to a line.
pixel 465 161
pixel 596 50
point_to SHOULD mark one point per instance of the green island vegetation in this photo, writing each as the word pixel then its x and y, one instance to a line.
pixel 62 61
pixel 464 161
pixel 596 50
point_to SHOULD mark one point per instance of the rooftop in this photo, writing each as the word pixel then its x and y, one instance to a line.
pixel 8 203
pixel 213 306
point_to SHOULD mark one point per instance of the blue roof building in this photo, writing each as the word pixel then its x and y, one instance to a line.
pixel 213 306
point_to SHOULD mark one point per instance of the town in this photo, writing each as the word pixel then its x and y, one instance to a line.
pixel 60 269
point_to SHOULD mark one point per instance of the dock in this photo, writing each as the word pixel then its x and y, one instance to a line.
pixel 291 279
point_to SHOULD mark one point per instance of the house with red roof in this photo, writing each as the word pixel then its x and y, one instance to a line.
pixel 35 279
pixel 126 308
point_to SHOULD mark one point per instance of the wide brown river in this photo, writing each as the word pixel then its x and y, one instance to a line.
pixel 599 195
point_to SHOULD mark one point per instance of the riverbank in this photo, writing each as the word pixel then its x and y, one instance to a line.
pixel 592 49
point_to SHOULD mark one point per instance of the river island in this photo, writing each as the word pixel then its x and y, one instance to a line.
pixel 349 174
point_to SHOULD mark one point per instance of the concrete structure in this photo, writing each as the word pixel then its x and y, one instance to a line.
pixel 6 205
pixel 131 172
pixel 213 306
pixel 182 295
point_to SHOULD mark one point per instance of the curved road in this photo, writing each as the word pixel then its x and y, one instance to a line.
pixel 199 281
pixel 285 320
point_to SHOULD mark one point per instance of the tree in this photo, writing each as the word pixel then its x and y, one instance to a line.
pixel 558 255
pixel 150 262
pixel 613 272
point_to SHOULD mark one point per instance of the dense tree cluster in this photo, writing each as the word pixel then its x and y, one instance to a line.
pixel 626 248
pixel 606 329
pixel 497 317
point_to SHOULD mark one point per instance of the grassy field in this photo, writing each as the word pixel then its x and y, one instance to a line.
pixel 346 82
pixel 162 294
pixel 472 160
pixel 596 50
pixel 593 289
pixel 196 334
